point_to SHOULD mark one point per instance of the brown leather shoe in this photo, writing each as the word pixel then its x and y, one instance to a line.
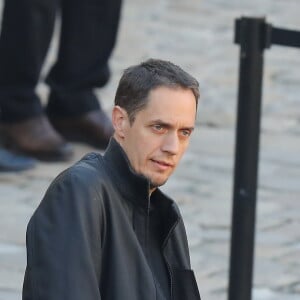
pixel 36 137
pixel 93 128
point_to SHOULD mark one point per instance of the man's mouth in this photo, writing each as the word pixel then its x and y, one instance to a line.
pixel 162 164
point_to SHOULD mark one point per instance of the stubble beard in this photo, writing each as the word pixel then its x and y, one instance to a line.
pixel 154 185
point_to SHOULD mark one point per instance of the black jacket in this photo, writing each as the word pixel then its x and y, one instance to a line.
pixel 87 240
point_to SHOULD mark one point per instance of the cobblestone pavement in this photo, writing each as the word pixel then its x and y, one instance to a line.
pixel 198 35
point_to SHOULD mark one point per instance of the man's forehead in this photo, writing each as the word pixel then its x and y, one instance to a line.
pixel 171 101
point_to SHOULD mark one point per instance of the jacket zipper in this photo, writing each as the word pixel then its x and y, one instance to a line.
pixel 171 279
pixel 168 265
pixel 147 227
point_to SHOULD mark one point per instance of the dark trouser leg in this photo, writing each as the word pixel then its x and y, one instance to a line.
pixel 27 27
pixel 88 35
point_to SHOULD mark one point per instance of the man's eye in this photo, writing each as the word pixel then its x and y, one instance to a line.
pixel 186 133
pixel 158 127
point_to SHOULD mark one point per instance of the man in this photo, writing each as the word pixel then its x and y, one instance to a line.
pixel 104 230
pixel 87 36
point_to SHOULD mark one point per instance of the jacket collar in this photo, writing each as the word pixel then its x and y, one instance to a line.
pixel 135 187
pixel 132 186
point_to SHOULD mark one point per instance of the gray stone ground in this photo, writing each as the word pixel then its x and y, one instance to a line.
pixel 198 36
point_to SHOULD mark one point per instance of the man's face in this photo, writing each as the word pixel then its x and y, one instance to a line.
pixel 160 133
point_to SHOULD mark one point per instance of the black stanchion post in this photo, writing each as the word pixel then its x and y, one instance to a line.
pixel 253 36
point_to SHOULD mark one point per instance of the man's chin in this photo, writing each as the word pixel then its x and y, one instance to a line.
pixel 156 184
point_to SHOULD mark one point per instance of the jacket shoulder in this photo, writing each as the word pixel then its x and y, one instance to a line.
pixel 88 171
pixel 79 185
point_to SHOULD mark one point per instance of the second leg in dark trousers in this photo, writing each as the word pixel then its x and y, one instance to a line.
pixel 88 35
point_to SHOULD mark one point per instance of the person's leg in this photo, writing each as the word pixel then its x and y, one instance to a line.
pixel 88 36
pixel 27 27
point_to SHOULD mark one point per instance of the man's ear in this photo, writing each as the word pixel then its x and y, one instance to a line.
pixel 120 121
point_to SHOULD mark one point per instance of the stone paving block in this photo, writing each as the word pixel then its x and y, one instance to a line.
pixel 11 280
pixel 6 294
pixel 267 294
pixel 12 256
pixel 274 275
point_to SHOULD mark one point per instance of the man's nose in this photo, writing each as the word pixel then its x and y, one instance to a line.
pixel 171 143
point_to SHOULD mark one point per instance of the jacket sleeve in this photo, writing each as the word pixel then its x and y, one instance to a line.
pixel 64 243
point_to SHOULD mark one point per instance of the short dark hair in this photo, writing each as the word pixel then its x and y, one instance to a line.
pixel 137 82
